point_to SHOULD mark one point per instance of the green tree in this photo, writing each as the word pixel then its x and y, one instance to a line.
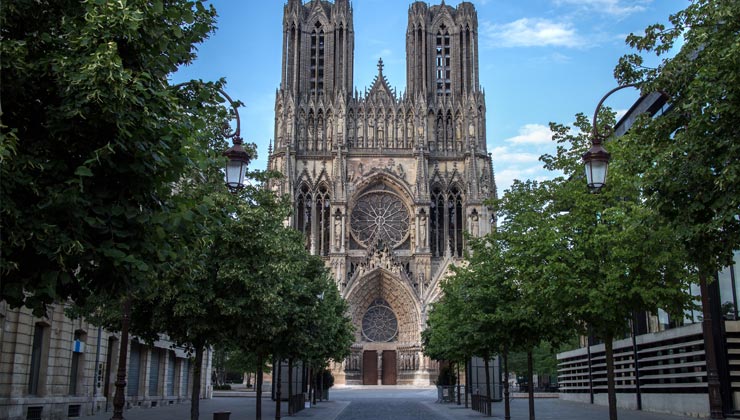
pixel 530 247
pixel 92 138
pixel 616 256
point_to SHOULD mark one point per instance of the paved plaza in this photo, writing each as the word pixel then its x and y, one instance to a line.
pixel 384 403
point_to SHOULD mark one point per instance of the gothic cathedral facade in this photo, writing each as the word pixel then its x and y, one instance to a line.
pixel 384 185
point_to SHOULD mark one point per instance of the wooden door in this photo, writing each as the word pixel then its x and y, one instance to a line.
pixel 370 367
pixel 389 367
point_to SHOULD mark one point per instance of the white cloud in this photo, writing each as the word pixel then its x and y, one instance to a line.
pixel 620 8
pixel 532 134
pixel 502 155
pixel 532 32
pixel 553 58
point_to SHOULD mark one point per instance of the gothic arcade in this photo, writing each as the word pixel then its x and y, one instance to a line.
pixel 384 184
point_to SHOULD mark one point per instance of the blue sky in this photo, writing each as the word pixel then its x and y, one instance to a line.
pixel 540 61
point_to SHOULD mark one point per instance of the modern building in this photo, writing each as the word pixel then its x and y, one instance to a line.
pixel 58 368
pixel 384 184
pixel 661 366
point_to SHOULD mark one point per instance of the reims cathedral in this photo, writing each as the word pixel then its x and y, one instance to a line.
pixel 384 184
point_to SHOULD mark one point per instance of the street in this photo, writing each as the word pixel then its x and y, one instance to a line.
pixel 384 403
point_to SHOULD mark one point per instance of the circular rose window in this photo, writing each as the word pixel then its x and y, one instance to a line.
pixel 379 214
pixel 379 323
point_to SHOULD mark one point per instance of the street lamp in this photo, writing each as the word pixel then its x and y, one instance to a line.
pixel 236 167
pixel 596 160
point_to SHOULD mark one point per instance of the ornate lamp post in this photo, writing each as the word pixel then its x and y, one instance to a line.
pixel 596 161
pixel 236 169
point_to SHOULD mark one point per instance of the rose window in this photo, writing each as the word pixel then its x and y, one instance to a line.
pixel 379 323
pixel 379 214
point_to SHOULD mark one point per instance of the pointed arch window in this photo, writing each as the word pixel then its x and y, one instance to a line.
pixel 455 226
pixel 442 61
pixel 317 60
pixel 303 214
pixel 323 219
pixel 437 220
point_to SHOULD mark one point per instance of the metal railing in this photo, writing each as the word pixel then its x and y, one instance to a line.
pixel 297 402
pixel 481 404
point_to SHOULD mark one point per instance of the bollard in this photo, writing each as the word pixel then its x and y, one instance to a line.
pixel 221 415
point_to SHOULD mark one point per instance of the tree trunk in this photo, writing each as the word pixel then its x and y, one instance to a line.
pixel 197 373
pixel 507 404
pixel 530 381
pixel 119 399
pixel 713 384
pixel 290 387
pixel 488 386
pixel 457 364
pixel 467 389
pixel 278 385
pixel 321 384
pixel 310 385
pixel 258 384
pixel 313 385
pixel 610 386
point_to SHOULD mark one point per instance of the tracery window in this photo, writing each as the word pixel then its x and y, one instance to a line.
pixel 379 214
pixel 379 323
pixel 323 209
pixel 437 219
pixel 455 227
pixel 313 214
pixel 446 214
pixel 303 214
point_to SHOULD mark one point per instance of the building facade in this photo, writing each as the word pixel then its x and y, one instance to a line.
pixel 385 185
pixel 58 368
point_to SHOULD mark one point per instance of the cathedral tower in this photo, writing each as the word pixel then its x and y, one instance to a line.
pixel 384 184
pixel 442 50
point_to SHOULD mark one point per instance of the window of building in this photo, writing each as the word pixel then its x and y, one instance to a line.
pixel 185 376
pixel 317 60
pixel 436 214
pixel 38 347
pixel 134 364
pixel 78 361
pixel 728 289
pixel 323 209
pixel 442 50
pixel 170 390
pixel 455 226
pixel 303 213
pixel 154 373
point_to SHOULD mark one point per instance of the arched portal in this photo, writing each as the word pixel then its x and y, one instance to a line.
pixel 387 319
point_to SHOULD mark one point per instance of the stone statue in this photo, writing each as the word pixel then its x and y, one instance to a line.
pixel 329 131
pixel 423 230
pixel 474 225
pixel 337 232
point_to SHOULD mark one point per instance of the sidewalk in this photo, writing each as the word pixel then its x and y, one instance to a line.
pixel 549 409
pixel 241 408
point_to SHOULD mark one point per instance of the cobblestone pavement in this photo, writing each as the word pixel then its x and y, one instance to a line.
pixel 384 403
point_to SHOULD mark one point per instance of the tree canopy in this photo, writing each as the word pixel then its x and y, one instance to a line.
pixel 689 157
pixel 92 140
